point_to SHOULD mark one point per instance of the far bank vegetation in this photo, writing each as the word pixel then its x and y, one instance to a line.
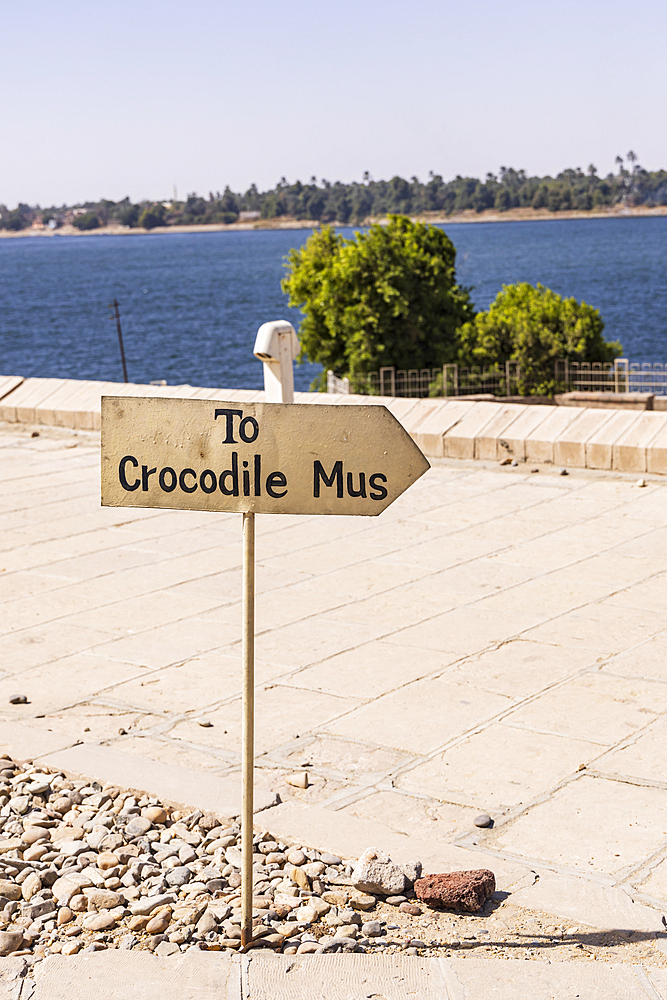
pixel 325 202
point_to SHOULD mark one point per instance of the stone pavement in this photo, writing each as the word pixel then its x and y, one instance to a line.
pixel 495 641
pixel 115 975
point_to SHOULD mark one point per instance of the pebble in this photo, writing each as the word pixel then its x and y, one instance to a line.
pixel 373 928
pixel 205 723
pixel 330 859
pixel 145 906
pixel 410 908
pixel 10 941
pixel 179 876
pixel 166 948
pixel 307 948
pixel 563 472
pixel 483 820
pixel 362 901
pixel 138 826
pixel 106 860
pixel 31 885
pixel 33 834
pixel 18 699
pixel 156 814
pixel 159 923
pixel 347 931
pixel 99 921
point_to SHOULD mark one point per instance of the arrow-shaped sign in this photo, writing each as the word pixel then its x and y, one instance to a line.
pixel 261 458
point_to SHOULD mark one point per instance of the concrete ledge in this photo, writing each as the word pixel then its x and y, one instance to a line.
pixel 597 436
pixel 8 383
pixel 607 400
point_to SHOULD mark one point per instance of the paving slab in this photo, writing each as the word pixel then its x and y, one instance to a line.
pixel 590 825
pixel 471 979
pixel 12 973
pixel 341 833
pixel 19 405
pixel 348 977
pixel 117 975
pixel 588 902
pixel 641 757
pixel 173 784
pixel 469 774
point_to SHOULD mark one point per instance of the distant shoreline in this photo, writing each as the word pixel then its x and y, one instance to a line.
pixel 286 223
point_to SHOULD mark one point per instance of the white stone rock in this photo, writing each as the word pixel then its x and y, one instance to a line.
pixel 375 872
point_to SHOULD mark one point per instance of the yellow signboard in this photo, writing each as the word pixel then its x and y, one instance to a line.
pixel 261 458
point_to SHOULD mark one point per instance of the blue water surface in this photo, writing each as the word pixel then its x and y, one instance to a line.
pixel 191 303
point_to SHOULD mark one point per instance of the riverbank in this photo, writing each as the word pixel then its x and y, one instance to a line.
pixel 288 222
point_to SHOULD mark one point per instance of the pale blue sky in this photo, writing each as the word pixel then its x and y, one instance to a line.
pixel 130 98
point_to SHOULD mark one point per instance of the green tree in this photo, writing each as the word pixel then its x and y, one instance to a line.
pixel 86 221
pixel 535 327
pixel 385 297
pixel 152 216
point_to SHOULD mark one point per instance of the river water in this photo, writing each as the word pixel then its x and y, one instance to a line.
pixel 191 303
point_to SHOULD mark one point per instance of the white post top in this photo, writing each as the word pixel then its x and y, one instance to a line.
pixel 276 345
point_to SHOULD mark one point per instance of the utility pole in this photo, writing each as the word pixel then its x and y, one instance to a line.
pixel 116 313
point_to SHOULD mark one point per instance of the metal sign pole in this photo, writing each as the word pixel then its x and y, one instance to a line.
pixel 248 735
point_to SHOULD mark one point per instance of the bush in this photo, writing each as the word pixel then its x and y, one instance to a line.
pixel 128 215
pixel 535 327
pixel 16 220
pixel 86 221
pixel 152 216
pixel 385 297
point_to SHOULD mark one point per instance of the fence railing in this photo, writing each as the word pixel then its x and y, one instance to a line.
pixel 620 375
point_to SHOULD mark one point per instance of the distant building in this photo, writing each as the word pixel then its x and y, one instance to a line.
pixel 249 216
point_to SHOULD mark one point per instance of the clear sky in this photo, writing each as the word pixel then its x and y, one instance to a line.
pixel 133 96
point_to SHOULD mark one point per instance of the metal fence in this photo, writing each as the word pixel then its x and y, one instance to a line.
pixel 620 375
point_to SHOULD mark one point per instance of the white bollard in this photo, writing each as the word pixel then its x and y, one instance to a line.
pixel 277 345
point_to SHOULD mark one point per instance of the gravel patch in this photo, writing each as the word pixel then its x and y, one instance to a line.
pixel 85 867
